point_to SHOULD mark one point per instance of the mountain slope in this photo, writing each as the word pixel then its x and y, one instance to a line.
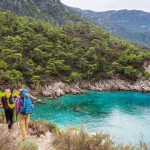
pixel 111 21
pixel 35 52
pixel 135 20
pixel 130 25
pixel 52 10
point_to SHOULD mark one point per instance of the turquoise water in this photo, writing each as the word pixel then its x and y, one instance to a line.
pixel 124 115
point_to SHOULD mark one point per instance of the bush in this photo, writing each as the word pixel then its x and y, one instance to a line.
pixel 27 145
pixel 40 127
pixel 73 128
pixel 53 128
pixel 73 140
pixel 147 75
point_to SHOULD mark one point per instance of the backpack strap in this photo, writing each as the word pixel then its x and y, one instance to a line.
pixel 24 102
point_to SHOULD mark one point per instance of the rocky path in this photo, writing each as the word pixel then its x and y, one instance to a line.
pixel 44 142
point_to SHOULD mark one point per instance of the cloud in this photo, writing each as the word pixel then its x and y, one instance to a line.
pixel 102 5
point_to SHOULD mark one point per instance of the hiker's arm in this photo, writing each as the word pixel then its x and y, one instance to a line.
pixel 32 97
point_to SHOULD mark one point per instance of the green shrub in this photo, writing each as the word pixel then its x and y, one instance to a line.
pixel 53 128
pixel 27 145
pixel 147 75
pixel 72 128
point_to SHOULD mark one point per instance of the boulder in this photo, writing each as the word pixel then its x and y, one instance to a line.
pixel 40 101
pixel 59 92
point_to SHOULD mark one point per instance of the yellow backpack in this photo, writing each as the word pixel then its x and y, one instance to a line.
pixel 10 101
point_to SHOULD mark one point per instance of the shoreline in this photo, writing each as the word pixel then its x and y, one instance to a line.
pixel 58 88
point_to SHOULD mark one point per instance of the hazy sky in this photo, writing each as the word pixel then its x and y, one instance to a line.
pixel 101 5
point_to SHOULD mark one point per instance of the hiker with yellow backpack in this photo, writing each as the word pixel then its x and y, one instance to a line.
pixel 8 106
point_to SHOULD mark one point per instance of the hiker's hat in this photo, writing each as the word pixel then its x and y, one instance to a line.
pixel 19 91
pixel 7 93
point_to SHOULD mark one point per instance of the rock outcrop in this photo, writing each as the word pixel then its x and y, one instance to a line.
pixel 115 85
pixel 56 89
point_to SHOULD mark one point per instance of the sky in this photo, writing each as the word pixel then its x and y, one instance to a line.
pixel 103 5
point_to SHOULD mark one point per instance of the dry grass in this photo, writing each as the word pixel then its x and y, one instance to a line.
pixel 73 140
pixel 42 127
pixel 70 139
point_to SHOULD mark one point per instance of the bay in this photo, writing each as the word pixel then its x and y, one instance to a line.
pixel 124 115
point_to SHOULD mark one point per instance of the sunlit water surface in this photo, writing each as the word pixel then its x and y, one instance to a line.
pixel 125 115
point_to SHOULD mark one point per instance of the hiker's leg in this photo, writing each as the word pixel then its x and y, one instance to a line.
pixel 7 115
pixel 27 121
pixel 11 116
pixel 22 126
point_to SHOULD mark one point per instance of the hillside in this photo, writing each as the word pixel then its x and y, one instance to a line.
pixel 33 52
pixel 47 10
pixel 135 20
pixel 132 25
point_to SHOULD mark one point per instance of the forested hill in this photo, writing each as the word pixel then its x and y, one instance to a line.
pixel 47 10
pixel 132 25
pixel 35 52
pixel 124 24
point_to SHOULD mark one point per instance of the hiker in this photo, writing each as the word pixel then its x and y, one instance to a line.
pixel 8 106
pixel 26 108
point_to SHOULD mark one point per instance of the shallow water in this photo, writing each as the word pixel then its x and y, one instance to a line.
pixel 125 115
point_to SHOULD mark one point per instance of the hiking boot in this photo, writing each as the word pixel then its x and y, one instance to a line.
pixel 9 125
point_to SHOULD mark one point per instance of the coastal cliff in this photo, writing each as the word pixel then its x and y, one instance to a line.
pixel 58 88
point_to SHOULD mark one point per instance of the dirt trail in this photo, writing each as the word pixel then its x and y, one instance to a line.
pixel 44 142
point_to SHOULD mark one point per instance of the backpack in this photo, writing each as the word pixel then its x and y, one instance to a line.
pixel 25 102
pixel 10 102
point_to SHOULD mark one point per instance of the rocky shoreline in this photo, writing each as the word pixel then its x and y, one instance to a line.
pixel 58 88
